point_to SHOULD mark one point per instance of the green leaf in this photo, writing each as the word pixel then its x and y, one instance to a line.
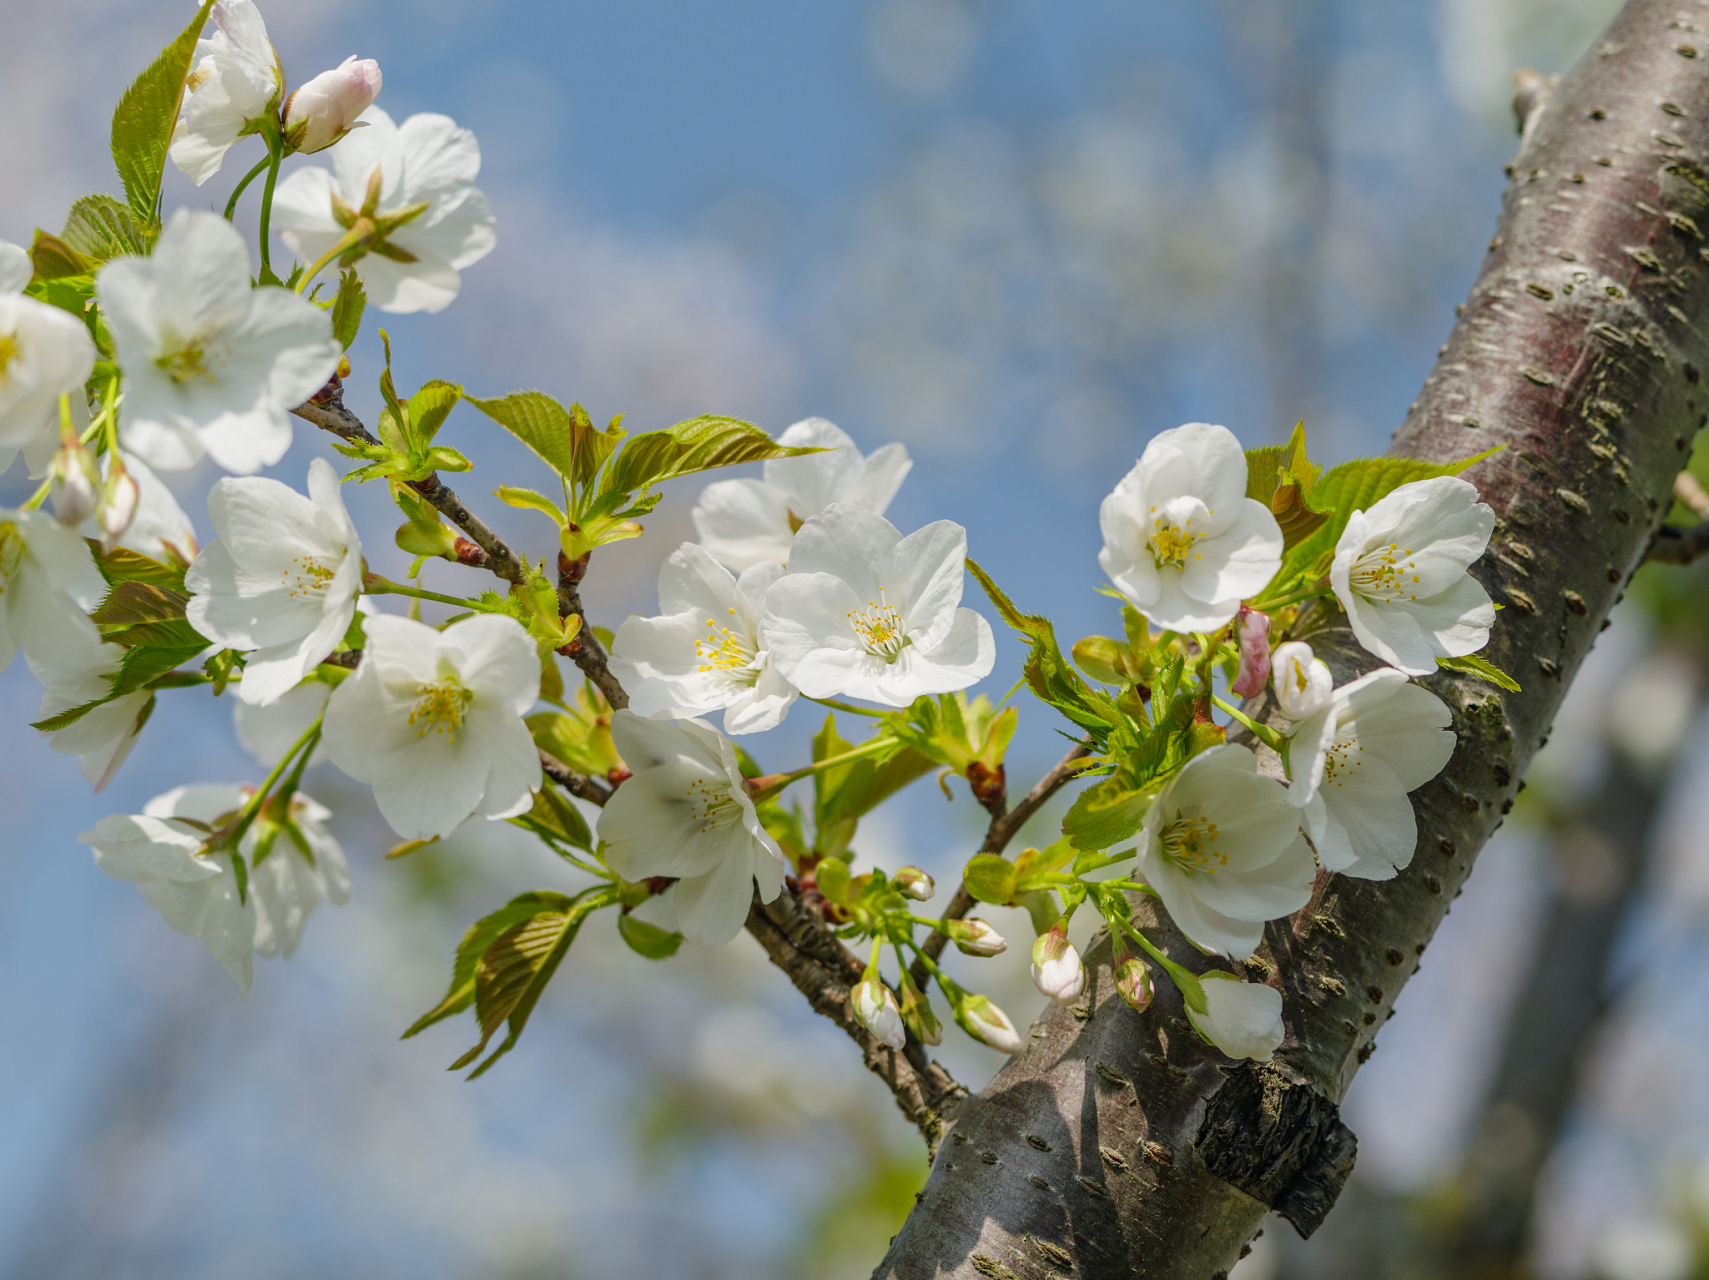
pixel 700 444
pixel 555 818
pixel 347 308
pixel 844 793
pixel 564 439
pixel 1471 665
pixel 146 115
pixel 990 877
pixel 475 942
pixel 122 565
pixel 53 259
pixel 580 737
pixel 1034 864
pixel 529 500
pixel 145 663
pixel 1105 814
pixel 1282 477
pixel 648 939
pixel 101 228
pixel 428 409
pixel 515 968
pixel 132 603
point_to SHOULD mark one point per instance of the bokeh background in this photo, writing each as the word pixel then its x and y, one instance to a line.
pixel 1021 237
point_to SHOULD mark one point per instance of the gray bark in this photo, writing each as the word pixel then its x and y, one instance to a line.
pixel 1116 1144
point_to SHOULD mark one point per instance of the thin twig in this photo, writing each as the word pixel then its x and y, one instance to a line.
pixel 588 652
pixel 327 412
pixel 997 837
pixel 823 970
pixel 577 784
pixel 1679 545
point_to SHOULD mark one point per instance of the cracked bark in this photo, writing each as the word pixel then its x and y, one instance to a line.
pixel 1115 1144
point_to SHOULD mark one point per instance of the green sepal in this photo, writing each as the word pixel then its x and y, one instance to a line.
pixel 648 939
pixel 1482 668
pixel 990 877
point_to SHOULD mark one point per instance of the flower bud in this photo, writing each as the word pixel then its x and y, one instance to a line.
pixel 73 483
pixel 1303 684
pixel 1057 971
pixel 1253 631
pixel 119 497
pixel 917 1013
pixel 1133 983
pixel 975 938
pixel 915 883
pixel 877 1011
pixel 325 109
pixel 987 1023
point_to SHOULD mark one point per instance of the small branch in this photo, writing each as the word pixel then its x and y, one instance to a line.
pixel 1676 545
pixel 823 970
pixel 997 837
pixel 588 652
pixel 1690 491
pixel 327 412
pixel 577 784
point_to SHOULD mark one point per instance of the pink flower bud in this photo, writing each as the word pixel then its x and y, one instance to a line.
pixel 876 1008
pixel 1133 983
pixel 1254 632
pixel 1056 968
pixel 72 483
pixel 915 883
pixel 119 498
pixel 976 938
pixel 322 111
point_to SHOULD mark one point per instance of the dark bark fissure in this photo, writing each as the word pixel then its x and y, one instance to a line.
pixel 1116 1144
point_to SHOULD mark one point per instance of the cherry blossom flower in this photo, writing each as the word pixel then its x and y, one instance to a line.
pixel 1302 682
pixel 268 731
pixel 686 813
pixel 1182 541
pixel 705 651
pixel 433 721
pixel 1222 848
pixel 234 85
pixel 327 108
pixel 1243 1019
pixel 1400 572
pixel 158 527
pixel 281 580
pixel 1056 968
pixel 745 522
pixel 1352 762
pixel 288 881
pixel 414 185
pixel 45 352
pixel 44 569
pixel 209 363
pixel 879 1013
pixel 866 613
pixel 102 738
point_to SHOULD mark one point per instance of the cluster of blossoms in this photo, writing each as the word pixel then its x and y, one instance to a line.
pixel 147 350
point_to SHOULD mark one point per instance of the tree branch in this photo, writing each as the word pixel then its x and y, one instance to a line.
pixel 588 652
pixel 327 412
pixel 577 784
pixel 1682 545
pixel 1580 350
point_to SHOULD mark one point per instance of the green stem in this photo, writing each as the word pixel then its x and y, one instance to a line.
pixel 1192 991
pixel 252 809
pixel 849 707
pixel 779 781
pixel 1263 732
pixel 1319 588
pixel 251 176
pixel 343 245
pixel 375 585
pixel 275 154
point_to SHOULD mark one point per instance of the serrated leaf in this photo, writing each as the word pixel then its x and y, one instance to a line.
pixel 123 565
pixel 146 663
pixel 1105 814
pixel 700 444
pixel 428 409
pixel 146 115
pixel 479 937
pixel 1482 668
pixel 555 817
pixel 53 259
pixel 648 939
pixel 514 971
pixel 70 716
pixel 131 603
pixel 169 633
pixel 564 440
pixel 529 500
pixel 347 308
pixel 101 228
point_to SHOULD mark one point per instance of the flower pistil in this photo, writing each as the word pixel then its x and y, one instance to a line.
pixel 1190 843
pixel 440 708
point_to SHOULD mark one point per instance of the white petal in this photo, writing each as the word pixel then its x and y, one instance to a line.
pixel 744 522
pixel 814 481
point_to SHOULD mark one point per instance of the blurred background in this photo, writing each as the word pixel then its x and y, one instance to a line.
pixel 1021 237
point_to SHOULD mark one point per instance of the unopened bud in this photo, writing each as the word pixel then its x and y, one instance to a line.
pixel 917 1013
pixel 877 1011
pixel 1133 983
pixel 915 883
pixel 119 497
pixel 1253 632
pixel 74 483
pixel 1303 684
pixel 1056 968
pixel 975 938
pixel 985 1022
pixel 325 109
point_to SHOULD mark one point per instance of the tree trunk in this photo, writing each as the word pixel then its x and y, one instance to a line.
pixel 1116 1144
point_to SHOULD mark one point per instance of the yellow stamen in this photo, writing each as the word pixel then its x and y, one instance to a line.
pixel 712 804
pixel 10 350
pixel 1171 543
pixel 879 627
pixel 1190 843
pixel 440 708
pixel 1381 573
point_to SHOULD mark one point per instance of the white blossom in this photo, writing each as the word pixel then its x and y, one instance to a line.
pixel 878 1012
pixel 16 269
pixel 1056 967
pixel 234 84
pixel 268 731
pixel 159 527
pixel 1400 572
pixel 74 484
pixel 1352 762
pixel 288 882
pixel 686 814
pixel 281 580
pixel 1221 846
pixel 209 363
pixel 45 352
pixel 1243 1019
pixel 745 522
pixel 1302 682
pixel 433 721
pixel 426 161
pixel 705 650
pixel 44 569
pixel 327 108
pixel 103 737
pixel 1182 541
pixel 866 613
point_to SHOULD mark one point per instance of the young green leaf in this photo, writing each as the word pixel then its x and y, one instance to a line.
pixel 989 877
pixel 132 603
pixel 700 444
pixel 529 500
pixel 555 818
pixel 564 439
pixel 146 115
pixel 428 409
pixel 1483 669
pixel 123 565
pixel 347 308
pixel 648 939
pixel 101 228
pixel 479 937
pixel 53 259
pixel 1282 477
pixel 844 793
